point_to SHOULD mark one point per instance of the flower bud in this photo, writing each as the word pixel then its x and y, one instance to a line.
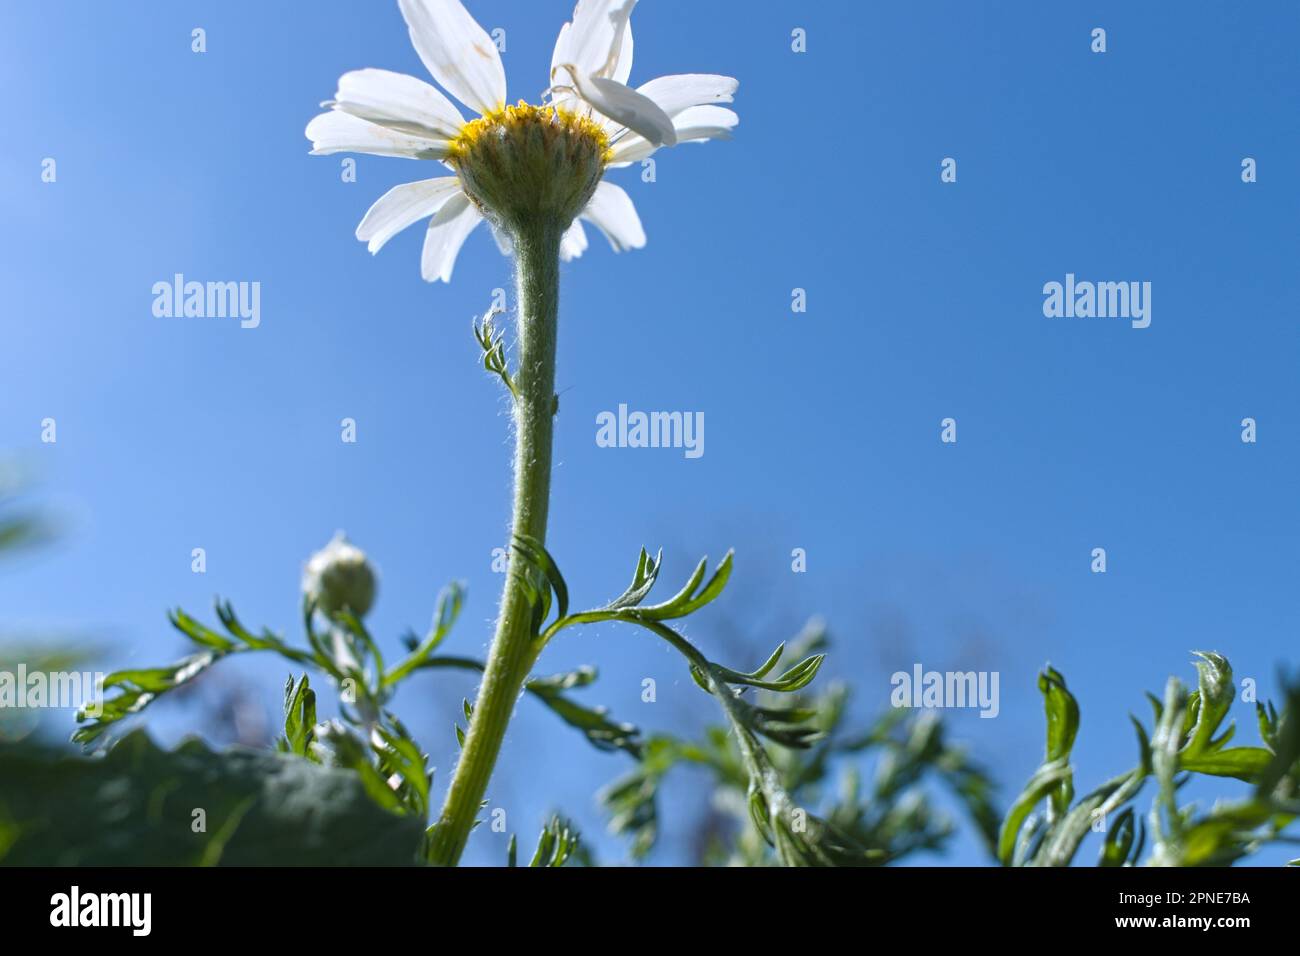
pixel 339 576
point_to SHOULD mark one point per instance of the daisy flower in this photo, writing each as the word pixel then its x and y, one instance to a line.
pixel 516 165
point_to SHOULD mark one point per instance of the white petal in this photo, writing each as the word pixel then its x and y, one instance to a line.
pixel 630 149
pixel 693 125
pixel 457 52
pixel 403 205
pixel 598 40
pixel 611 211
pixel 574 242
pixel 448 231
pixel 623 62
pixel 339 132
pixel 400 102
pixel 627 107
pixel 684 90
pixel 564 98
pixel 704 122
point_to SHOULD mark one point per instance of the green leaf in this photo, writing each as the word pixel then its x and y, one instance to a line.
pixel 632 800
pixel 343 749
pixel 687 600
pixel 1214 694
pixel 199 633
pixel 1165 742
pixel 1144 744
pixel 787 726
pixel 401 756
pixel 1244 763
pixel 1062 842
pixel 556 844
pixel 1062 727
pixel 1062 715
pixel 361 637
pixel 450 602
pixel 135 806
pixel 1268 724
pixel 1223 836
pixel 627 607
pixel 800 838
pixel 643 579
pixel 600 730
pixel 299 717
pixel 1285 744
pixel 1116 847
pixel 492 343
pixel 140 687
pixel 537 556
pixel 796 678
pixel 1047 779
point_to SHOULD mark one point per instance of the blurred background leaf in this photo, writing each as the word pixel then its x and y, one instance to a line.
pixel 138 805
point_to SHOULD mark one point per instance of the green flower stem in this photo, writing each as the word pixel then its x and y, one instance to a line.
pixel 513 652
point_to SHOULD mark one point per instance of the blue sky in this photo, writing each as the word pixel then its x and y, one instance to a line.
pixel 924 302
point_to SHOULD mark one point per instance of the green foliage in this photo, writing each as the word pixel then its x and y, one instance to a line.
pixel 747 755
pixel 137 805
pixel 392 769
pixel 785 768
pixel 137 688
pixel 299 718
pixel 854 825
pixel 798 837
pixel 556 844
pixel 632 800
pixel 21 526
pixel 1182 742
pixel 492 343
pixel 369 742
pixel 20 530
pixel 600 730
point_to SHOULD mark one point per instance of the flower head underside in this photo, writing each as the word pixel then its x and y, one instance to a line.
pixel 514 163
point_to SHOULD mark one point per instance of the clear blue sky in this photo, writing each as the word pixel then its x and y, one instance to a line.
pixel 924 301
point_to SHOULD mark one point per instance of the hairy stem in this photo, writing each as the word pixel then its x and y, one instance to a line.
pixel 513 651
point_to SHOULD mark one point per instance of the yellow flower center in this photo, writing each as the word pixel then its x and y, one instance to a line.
pixel 512 121
pixel 526 162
